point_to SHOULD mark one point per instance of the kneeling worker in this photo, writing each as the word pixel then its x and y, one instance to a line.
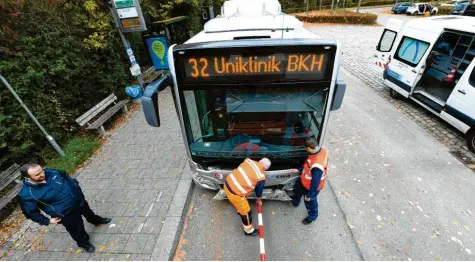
pixel 312 179
pixel 240 183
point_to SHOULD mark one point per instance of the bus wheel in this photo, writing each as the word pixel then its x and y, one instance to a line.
pixel 394 94
pixel 471 141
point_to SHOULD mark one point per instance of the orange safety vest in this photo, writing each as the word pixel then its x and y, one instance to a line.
pixel 244 178
pixel 320 161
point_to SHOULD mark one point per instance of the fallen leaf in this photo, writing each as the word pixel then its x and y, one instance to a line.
pixel 273 213
pixel 466 227
pixel 102 247
pixel 379 226
pixel 437 233
pixel 437 258
pixel 78 251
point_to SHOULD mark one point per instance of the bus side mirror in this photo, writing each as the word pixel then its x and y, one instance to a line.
pixel 150 100
pixel 340 89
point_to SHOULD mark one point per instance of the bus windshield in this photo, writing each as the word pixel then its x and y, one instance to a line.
pixel 265 121
pixel 255 98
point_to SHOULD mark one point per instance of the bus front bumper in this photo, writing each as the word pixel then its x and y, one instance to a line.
pixel 279 183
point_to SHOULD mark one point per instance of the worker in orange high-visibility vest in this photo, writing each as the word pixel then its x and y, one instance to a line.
pixel 249 176
pixel 312 179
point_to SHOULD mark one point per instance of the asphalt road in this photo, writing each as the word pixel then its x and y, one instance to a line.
pixel 402 195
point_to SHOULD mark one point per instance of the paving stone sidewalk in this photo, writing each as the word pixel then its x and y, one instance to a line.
pixel 140 179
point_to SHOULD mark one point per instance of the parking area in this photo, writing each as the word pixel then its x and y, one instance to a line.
pixel 358 48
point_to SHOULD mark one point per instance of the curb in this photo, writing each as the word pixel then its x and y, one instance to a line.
pixel 169 236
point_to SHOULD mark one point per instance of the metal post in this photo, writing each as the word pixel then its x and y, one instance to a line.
pixel 358 8
pixel 50 138
pixel 321 3
pixel 126 44
pixel 333 1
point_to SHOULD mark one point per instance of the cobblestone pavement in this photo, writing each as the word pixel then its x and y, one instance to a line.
pixel 358 47
pixel 133 180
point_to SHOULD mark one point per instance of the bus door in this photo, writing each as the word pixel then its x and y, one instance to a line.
pixel 386 44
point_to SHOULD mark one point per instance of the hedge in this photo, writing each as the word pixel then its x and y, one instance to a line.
pixel 340 17
pixel 444 10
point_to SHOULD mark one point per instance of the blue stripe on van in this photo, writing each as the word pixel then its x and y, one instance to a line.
pixel 460 116
pixel 397 82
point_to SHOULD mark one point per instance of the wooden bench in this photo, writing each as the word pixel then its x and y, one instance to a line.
pixel 8 177
pixel 151 74
pixel 98 123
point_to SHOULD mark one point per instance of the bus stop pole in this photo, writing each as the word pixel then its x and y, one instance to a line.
pixel 125 43
pixel 50 138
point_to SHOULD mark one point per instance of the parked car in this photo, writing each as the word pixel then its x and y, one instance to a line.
pixel 455 2
pixel 459 9
pixel 420 9
pixel 469 10
pixel 400 8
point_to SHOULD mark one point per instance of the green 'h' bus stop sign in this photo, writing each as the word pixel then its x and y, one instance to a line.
pixel 123 3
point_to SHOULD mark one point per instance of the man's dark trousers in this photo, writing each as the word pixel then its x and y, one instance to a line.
pixel 75 225
pixel 312 205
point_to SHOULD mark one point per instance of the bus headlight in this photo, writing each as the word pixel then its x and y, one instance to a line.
pixel 203 182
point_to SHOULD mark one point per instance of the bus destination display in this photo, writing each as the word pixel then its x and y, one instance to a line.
pixel 291 66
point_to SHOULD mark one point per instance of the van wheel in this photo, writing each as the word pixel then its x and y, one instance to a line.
pixel 394 94
pixel 471 141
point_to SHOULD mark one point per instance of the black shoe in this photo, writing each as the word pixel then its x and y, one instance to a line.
pixel 89 248
pixel 295 205
pixel 103 221
pixel 253 233
pixel 307 221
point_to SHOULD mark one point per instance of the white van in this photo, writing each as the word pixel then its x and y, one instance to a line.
pixel 430 61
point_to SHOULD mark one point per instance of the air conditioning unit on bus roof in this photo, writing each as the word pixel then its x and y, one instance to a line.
pixel 244 15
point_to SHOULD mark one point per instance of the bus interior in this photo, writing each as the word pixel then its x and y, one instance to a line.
pixel 270 122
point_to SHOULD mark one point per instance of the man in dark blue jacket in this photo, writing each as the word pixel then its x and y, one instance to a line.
pixel 59 196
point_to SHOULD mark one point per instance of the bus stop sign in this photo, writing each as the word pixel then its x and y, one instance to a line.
pixel 129 15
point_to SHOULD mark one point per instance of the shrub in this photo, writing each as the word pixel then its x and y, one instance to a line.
pixel 341 17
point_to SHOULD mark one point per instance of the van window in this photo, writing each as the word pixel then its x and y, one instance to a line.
pixel 411 51
pixel 387 40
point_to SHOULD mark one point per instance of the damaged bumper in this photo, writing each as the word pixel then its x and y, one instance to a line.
pixel 279 183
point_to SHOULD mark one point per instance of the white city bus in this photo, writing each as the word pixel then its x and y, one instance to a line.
pixel 430 61
pixel 254 83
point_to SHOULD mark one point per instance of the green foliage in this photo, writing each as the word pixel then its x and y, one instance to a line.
pixel 62 57
pixel 444 10
pixel 341 16
pixel 77 151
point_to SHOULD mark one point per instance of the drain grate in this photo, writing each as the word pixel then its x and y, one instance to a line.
pixel 465 160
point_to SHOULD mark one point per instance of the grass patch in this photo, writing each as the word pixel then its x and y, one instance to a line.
pixel 77 151
pixel 338 17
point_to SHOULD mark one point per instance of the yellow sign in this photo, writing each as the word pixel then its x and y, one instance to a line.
pixel 130 23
